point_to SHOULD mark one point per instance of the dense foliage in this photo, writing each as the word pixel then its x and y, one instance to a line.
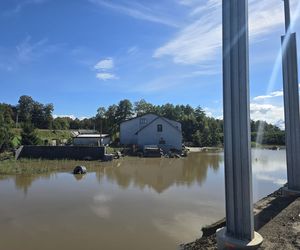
pixel 197 128
pixel 6 135
pixel 29 135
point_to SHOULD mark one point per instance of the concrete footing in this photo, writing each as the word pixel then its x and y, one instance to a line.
pixel 290 192
pixel 226 242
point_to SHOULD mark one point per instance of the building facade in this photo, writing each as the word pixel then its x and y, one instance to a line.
pixel 91 140
pixel 151 129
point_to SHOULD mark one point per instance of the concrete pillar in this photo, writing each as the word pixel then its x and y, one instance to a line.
pixel 239 232
pixel 291 105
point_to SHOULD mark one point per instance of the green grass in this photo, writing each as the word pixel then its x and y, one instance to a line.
pixel 46 134
pixel 43 134
pixel 35 166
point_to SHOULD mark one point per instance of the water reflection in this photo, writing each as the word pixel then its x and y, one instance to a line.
pixel 131 203
pixel 24 182
pixel 269 166
pixel 160 174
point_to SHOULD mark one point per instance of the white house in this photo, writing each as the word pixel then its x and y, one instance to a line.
pixel 151 129
pixel 91 140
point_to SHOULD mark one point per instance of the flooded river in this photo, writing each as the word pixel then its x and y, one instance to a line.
pixel 131 203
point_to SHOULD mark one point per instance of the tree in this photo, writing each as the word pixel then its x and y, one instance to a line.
pixel 124 110
pixel 142 107
pixel 61 123
pixel 28 135
pixel 100 120
pixel 25 108
pixel 6 135
pixel 47 116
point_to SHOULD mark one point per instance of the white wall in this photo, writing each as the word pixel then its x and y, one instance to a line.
pixel 86 141
pixel 171 136
pixel 130 127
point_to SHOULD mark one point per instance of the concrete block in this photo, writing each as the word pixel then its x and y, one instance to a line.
pixel 226 242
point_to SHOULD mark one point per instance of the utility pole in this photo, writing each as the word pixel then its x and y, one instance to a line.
pixel 291 104
pixel 239 231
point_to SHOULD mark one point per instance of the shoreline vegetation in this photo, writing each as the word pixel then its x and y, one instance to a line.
pixel 39 166
pixel 10 166
pixel 30 122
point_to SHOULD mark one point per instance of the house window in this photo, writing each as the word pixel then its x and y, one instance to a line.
pixel 159 128
pixel 143 121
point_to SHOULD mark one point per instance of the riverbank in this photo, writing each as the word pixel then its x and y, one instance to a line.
pixel 36 166
pixel 277 219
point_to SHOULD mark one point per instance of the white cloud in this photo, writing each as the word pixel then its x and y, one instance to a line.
pixel 105 64
pixel 106 76
pixel 73 117
pixel 271 95
pixel 100 207
pixel 200 41
pixel 266 112
pixel 137 10
pixel 275 180
pixel 62 116
pixel 103 68
pixel 208 111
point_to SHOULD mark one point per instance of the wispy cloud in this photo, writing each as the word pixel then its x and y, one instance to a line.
pixel 21 5
pixel 105 64
pixel 28 50
pixel 139 11
pixel 25 52
pixel 133 50
pixel 200 41
pixel 271 95
pixel 106 76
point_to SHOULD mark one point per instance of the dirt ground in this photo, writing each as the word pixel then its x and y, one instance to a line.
pixel 283 232
pixel 277 219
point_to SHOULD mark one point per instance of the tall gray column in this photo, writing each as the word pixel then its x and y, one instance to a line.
pixel 291 103
pixel 239 229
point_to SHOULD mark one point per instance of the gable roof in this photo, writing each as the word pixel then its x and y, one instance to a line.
pixel 166 120
pixel 139 116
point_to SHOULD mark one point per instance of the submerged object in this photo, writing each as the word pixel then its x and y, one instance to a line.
pixel 79 170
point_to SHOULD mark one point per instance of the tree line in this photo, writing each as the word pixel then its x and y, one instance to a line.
pixel 198 129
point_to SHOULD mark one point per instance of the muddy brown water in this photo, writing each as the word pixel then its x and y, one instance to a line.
pixel 131 203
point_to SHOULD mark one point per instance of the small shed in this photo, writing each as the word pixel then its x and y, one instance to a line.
pixel 91 140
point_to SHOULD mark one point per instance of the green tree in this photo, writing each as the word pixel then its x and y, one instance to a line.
pixel 25 108
pixel 28 135
pixel 142 107
pixel 6 134
pixel 100 120
pixel 124 110
pixel 61 123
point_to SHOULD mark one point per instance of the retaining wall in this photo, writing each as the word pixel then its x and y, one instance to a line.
pixel 61 152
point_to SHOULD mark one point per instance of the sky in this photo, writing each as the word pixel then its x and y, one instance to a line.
pixel 83 54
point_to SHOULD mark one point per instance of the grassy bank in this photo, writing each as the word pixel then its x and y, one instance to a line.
pixel 33 166
pixel 44 135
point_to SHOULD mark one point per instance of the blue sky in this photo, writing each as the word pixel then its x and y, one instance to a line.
pixel 82 54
